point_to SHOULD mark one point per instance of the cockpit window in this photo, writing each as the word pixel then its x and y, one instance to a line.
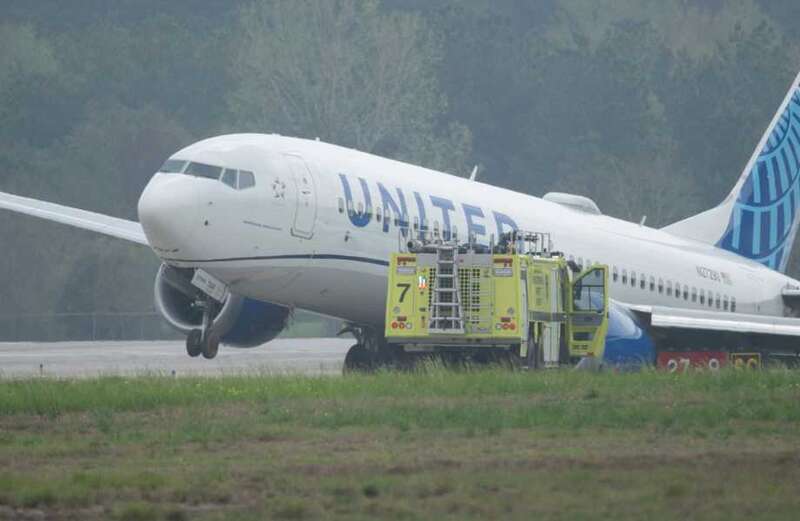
pixel 246 180
pixel 172 166
pixel 236 179
pixel 229 178
pixel 202 170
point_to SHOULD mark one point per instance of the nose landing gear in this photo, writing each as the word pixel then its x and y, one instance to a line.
pixel 194 344
pixel 204 341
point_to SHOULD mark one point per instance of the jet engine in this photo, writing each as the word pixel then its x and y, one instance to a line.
pixel 239 321
pixel 628 342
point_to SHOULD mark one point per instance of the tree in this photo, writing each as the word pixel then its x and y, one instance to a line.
pixel 28 66
pixel 719 106
pixel 346 73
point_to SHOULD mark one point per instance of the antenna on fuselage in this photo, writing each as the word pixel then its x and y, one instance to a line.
pixel 644 218
pixel 474 173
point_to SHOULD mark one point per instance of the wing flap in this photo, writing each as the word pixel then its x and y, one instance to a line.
pixel 96 222
pixel 664 317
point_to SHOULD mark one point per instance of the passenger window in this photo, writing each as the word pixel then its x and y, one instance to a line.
pixel 246 180
pixel 423 225
pixel 702 296
pixel 685 292
pixel 350 210
pixel 387 213
pixel 202 170
pixel 229 178
pixel 341 205
pixel 733 304
pixel 616 274
pixel 660 286
pixel 718 301
pixel 435 228
pixel 454 232
pixel 378 214
pixel 633 278
pixel 416 223
pixel 172 166
pixel 669 288
pixel 652 283
pixel 642 282
pixel 360 208
pixel 677 290
pixel 694 294
pixel 725 303
pixel 624 276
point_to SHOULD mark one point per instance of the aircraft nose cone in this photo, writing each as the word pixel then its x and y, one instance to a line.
pixel 165 211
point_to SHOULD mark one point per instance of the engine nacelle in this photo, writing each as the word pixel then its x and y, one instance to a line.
pixel 240 321
pixel 627 343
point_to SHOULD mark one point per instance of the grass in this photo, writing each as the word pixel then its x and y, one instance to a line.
pixel 453 445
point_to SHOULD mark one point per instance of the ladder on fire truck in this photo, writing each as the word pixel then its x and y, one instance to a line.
pixel 447 316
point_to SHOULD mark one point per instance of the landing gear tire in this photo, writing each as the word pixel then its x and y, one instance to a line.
pixel 194 343
pixel 210 345
pixel 359 359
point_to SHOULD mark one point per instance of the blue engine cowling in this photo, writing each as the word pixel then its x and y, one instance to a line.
pixel 241 321
pixel 628 343
pixel 256 323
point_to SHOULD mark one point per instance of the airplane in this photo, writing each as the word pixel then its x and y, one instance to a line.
pixel 251 226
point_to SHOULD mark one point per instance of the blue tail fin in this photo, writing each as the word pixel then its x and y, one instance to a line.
pixel 759 218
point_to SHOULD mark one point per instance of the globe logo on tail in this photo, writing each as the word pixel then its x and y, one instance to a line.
pixel 762 223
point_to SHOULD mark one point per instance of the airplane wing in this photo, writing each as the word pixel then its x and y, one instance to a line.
pixel 96 222
pixel 702 320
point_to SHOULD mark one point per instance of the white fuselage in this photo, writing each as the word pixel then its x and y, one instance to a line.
pixel 297 239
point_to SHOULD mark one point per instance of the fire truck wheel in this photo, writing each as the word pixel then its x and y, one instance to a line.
pixel 359 359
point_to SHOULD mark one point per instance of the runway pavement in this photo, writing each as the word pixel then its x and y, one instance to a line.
pixel 87 359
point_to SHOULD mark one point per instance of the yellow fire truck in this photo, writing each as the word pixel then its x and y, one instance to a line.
pixel 515 297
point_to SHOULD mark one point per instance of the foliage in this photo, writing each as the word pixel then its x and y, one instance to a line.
pixel 345 72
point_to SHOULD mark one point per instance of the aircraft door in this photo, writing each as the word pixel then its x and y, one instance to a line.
pixel 588 321
pixel 305 213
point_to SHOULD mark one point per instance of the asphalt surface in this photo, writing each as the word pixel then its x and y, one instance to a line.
pixel 87 359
